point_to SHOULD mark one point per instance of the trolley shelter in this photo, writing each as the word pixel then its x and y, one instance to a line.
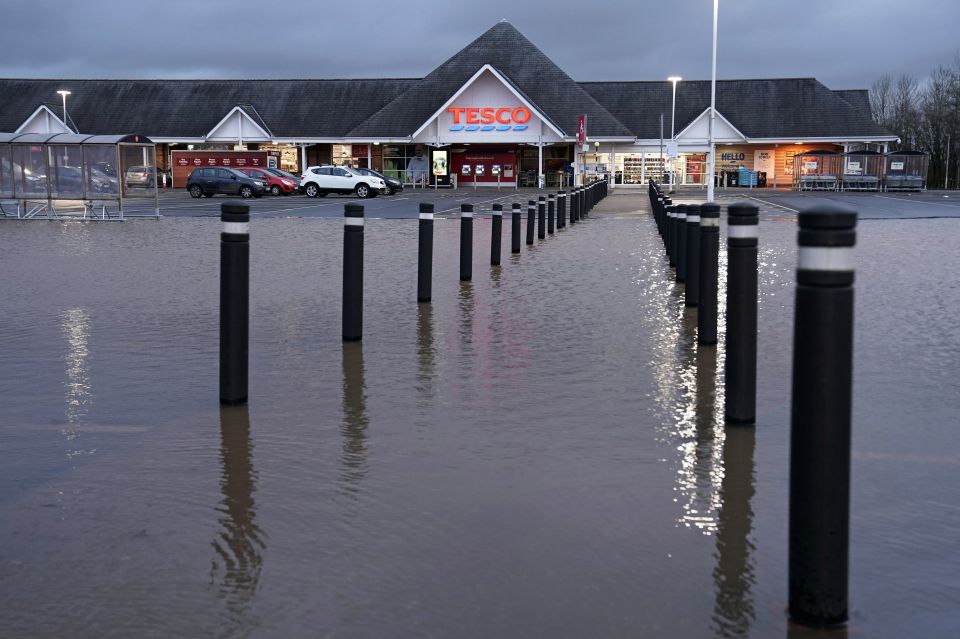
pixel 862 171
pixel 68 175
pixel 906 171
pixel 817 171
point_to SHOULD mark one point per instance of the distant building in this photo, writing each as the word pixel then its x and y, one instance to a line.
pixel 499 102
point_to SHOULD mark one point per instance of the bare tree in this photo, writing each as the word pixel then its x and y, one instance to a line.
pixel 880 99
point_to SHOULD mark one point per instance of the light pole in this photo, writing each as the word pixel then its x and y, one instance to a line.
pixel 713 103
pixel 673 119
pixel 63 94
pixel 596 156
pixel 946 166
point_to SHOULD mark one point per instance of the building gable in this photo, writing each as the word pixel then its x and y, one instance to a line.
pixel 488 109
pixel 699 130
pixel 43 120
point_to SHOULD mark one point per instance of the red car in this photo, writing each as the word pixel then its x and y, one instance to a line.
pixel 275 184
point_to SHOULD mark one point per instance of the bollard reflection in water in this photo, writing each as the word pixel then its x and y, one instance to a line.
pixel 240 541
pixel 426 354
pixel 75 325
pixel 355 420
pixel 733 575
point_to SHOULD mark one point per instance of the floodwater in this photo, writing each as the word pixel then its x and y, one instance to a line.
pixel 536 454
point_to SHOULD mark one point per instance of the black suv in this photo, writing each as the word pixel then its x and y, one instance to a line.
pixel 393 184
pixel 210 181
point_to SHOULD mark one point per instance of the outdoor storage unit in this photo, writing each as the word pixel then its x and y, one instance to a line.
pixel 906 171
pixel 816 171
pixel 862 171
pixel 54 175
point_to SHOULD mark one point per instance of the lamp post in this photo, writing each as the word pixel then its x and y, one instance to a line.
pixel 673 119
pixel 63 94
pixel 946 166
pixel 713 103
pixel 596 157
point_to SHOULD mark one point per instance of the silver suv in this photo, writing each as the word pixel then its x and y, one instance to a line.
pixel 317 181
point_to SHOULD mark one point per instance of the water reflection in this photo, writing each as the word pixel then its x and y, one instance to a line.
pixel 240 542
pixel 733 575
pixel 75 326
pixel 699 430
pixel 426 354
pixel 355 421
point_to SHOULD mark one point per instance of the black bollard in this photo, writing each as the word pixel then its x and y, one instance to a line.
pixel 531 214
pixel 425 254
pixel 658 213
pixel 496 234
pixel 234 302
pixel 709 266
pixel 561 209
pixel 681 242
pixel 352 272
pixel 741 339
pixel 551 212
pixel 515 228
pixel 541 217
pixel 820 417
pixel 466 242
pixel 691 292
pixel 671 233
pixel 574 205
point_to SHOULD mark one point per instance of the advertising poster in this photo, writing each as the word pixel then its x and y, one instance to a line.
pixel 763 162
pixel 439 162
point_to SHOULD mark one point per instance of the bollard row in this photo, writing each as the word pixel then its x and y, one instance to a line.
pixel 820 415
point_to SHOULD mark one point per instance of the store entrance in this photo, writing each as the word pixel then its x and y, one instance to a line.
pixel 485 165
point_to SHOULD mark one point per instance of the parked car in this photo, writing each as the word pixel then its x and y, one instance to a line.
pixel 210 181
pixel 393 184
pixel 277 185
pixel 140 176
pixel 317 181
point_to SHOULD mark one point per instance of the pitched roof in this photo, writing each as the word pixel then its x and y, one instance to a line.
pixel 857 98
pixel 503 47
pixel 768 108
pixel 190 108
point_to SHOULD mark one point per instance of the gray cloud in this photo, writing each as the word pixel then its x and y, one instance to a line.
pixel 845 44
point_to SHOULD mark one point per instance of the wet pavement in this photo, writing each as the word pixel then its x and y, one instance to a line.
pixel 536 454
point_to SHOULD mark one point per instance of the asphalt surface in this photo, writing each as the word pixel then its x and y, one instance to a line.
pixel 623 201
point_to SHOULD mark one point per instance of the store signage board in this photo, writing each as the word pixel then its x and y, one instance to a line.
pixel 582 130
pixel 810 166
pixel 489 118
pixel 896 166
pixel 673 149
pixel 487 110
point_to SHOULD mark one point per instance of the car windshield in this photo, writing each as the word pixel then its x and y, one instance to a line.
pixel 283 174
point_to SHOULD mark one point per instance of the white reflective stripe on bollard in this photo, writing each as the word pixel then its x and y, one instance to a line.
pixel 237 228
pixel 693 218
pixel 748 230
pixel 681 216
pixel 709 221
pixel 825 258
pixel 467 214
pixel 353 221
pixel 426 216
pixel 496 212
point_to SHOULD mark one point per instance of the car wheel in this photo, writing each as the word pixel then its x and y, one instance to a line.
pixel 246 192
pixel 390 191
pixel 363 191
pixel 311 190
pixel 274 190
pixel 195 191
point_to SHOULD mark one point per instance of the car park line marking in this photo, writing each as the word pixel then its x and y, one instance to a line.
pixel 899 199
pixel 750 197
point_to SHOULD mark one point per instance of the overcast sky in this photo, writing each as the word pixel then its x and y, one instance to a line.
pixel 844 43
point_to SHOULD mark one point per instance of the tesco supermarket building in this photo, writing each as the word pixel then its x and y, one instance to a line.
pixel 497 111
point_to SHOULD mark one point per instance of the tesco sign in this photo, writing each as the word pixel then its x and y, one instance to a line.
pixel 489 119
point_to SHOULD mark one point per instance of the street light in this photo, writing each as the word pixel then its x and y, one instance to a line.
pixel 673 118
pixel 713 103
pixel 63 94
